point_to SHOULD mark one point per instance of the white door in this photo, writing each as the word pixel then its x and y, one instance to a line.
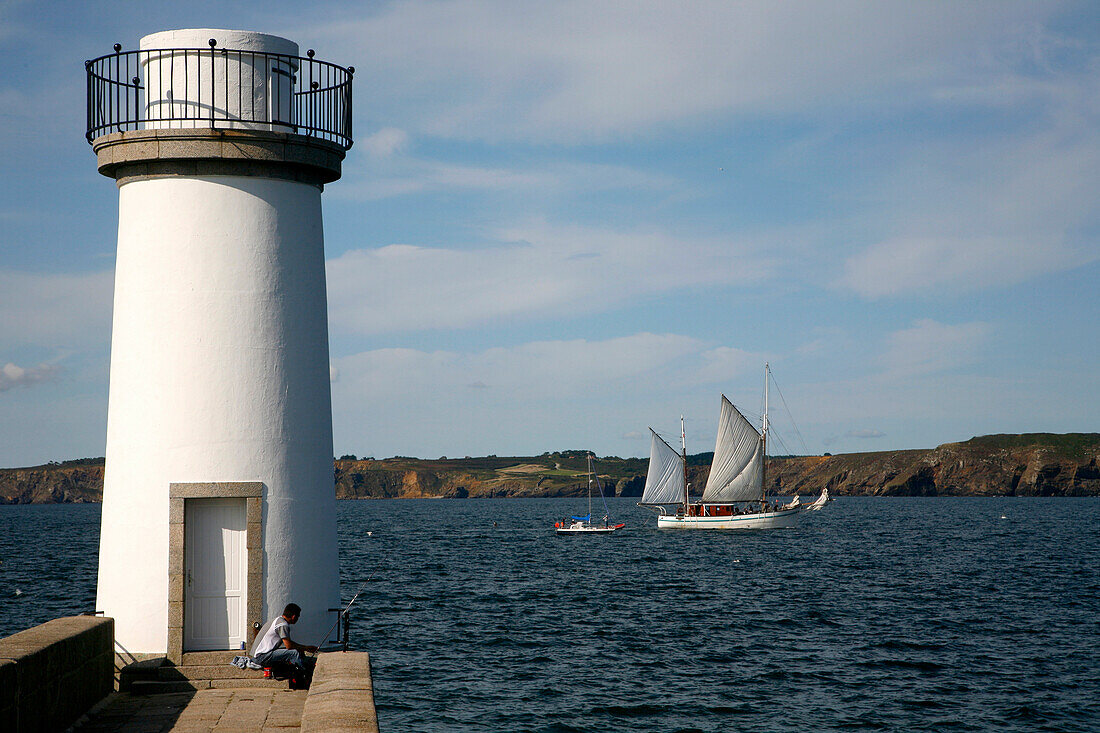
pixel 215 574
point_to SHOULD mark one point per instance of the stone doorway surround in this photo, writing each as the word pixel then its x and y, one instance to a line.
pixel 178 494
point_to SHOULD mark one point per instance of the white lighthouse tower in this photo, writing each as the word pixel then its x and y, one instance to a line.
pixel 218 497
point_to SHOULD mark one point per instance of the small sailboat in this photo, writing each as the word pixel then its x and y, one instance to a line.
pixel 585 525
pixel 734 497
pixel 819 503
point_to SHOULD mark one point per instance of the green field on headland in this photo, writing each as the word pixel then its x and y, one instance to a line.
pixel 1032 464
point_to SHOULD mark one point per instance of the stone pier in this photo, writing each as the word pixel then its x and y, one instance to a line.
pixel 61 675
pixel 341 698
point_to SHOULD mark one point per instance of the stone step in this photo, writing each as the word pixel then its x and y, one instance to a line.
pixel 134 666
pixel 207 672
pixel 249 683
pixel 146 670
pixel 161 687
pixel 146 666
pixel 200 671
pixel 191 659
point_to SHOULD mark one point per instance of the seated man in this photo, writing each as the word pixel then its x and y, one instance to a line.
pixel 274 646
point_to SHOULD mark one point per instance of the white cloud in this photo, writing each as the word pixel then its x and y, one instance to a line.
pixel 537 271
pixel 971 209
pixel 401 175
pixel 385 142
pixel 414 176
pixel 533 396
pixel 914 265
pixel 865 434
pixel 962 213
pixel 530 372
pixel 929 347
pixel 583 70
pixel 724 363
pixel 55 310
pixel 961 221
pixel 12 376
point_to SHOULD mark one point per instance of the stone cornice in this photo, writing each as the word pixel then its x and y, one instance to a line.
pixel 140 154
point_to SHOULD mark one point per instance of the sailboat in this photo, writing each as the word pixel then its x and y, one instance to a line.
pixel 734 497
pixel 820 503
pixel 585 525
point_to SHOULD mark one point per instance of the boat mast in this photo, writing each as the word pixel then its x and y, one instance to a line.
pixel 684 458
pixel 764 444
pixel 589 487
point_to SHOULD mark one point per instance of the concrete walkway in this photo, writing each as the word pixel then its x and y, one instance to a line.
pixel 201 711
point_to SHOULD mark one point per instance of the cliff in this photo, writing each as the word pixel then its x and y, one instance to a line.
pixel 548 475
pixel 1036 464
pixel 71 482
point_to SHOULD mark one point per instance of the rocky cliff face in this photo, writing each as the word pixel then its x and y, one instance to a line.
pixel 370 479
pixel 994 465
pixel 52 484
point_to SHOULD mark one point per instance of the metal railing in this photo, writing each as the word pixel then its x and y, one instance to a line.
pixel 342 627
pixel 218 88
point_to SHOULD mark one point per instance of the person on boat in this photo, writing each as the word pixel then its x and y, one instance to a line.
pixel 274 646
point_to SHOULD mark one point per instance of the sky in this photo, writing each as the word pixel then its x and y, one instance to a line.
pixel 562 223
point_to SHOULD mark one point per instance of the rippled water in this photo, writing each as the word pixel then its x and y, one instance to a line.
pixel 881 614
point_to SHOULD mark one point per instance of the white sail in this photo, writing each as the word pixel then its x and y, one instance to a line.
pixel 816 506
pixel 664 484
pixel 737 472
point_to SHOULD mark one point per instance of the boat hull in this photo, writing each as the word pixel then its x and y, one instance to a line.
pixel 588 530
pixel 757 520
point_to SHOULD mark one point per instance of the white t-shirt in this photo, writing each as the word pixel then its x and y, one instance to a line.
pixel 271 636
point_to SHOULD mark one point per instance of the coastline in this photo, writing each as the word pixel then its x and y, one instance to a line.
pixel 1002 465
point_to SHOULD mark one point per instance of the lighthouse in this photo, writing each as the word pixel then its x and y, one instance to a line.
pixel 218 497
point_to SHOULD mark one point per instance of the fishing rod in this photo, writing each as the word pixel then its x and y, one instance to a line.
pixel 343 612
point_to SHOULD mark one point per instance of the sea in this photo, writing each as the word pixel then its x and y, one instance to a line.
pixel 898 614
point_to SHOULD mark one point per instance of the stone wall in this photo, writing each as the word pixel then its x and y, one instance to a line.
pixel 341 696
pixel 52 674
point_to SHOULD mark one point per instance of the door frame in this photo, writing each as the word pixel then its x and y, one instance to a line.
pixel 178 494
